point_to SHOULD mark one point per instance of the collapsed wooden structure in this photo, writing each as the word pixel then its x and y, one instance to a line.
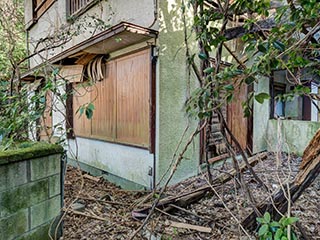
pixel 275 204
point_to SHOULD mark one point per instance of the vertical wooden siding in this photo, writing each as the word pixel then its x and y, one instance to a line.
pixel 81 125
pixel 121 101
pixel 103 97
pixel 133 86
pixel 237 123
pixel 46 119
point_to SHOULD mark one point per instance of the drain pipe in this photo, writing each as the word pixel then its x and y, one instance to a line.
pixel 153 93
pixel 155 13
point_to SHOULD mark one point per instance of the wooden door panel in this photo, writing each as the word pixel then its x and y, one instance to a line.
pixel 237 123
pixel 133 91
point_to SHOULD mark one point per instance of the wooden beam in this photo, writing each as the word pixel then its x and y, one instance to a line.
pixel 186 199
pixel 191 227
pixel 236 32
pixel 309 170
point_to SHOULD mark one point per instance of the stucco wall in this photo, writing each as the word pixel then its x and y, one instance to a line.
pixel 130 163
pixel 54 20
pixel 260 117
pixel 172 94
pixel 290 135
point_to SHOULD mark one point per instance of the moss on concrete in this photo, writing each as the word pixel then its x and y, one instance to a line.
pixel 45 211
pixel 23 197
pixel 29 151
pixel 14 225
pixel 39 233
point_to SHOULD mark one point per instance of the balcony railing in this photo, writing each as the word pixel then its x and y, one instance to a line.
pixel 76 5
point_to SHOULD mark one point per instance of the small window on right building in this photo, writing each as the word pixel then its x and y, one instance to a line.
pixel 285 105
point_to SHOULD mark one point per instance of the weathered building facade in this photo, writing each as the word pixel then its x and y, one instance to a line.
pixel 128 59
pixel 133 52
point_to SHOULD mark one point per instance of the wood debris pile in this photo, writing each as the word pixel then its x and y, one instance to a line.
pixel 108 211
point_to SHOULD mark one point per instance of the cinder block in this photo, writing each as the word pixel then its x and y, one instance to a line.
pixel 23 197
pixel 45 166
pixel 54 185
pixel 14 225
pixel 45 211
pixel 39 233
pixel 13 175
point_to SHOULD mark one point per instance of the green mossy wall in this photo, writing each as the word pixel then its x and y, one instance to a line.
pixel 30 191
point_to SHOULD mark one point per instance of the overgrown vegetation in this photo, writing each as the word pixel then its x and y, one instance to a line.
pixel 272 35
pixel 23 103
pixel 259 36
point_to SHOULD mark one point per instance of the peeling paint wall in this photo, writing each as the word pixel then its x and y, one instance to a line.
pixel 290 135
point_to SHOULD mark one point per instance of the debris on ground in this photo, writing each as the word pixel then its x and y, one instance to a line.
pixel 109 212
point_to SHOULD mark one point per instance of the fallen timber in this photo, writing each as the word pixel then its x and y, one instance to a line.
pixel 309 170
pixel 185 199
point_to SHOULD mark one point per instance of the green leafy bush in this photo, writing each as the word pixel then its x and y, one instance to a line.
pixel 275 230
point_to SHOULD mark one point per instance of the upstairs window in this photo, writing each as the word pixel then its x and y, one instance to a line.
pixel 40 6
pixel 76 6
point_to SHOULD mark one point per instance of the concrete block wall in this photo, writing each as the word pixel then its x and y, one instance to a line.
pixel 30 191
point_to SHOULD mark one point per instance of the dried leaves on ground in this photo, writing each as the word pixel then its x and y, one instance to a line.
pixel 101 210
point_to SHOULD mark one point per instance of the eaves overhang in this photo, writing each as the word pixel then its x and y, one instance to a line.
pixel 112 39
pixel 115 38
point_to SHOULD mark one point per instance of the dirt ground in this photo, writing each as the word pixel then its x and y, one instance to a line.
pixel 104 211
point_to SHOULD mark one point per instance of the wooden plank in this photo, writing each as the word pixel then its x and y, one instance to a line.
pixel 42 7
pixel 185 199
pixel 133 86
pixel 46 119
pixel 103 97
pixel 236 122
pixel 82 96
pixel 190 226
pixel 72 73
pixel 121 100
pixel 218 158
pixel 95 179
pixel 85 58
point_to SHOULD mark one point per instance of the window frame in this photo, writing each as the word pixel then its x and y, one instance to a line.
pixel 36 8
pixel 306 104
pixel 79 11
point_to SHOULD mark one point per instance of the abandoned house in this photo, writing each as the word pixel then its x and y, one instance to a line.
pixel 133 52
